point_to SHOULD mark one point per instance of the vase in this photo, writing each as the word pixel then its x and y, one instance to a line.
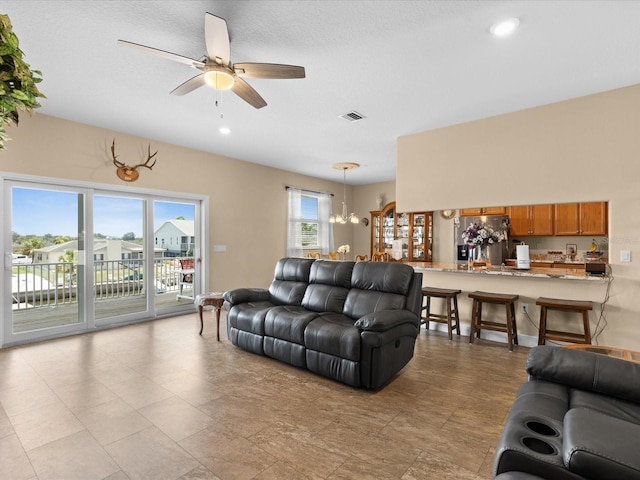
pixel 483 254
pixel 478 256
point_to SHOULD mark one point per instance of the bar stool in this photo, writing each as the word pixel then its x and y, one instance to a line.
pixel 477 324
pixel 576 306
pixel 451 300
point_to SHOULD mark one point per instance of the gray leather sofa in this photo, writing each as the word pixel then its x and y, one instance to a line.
pixel 353 322
pixel 577 417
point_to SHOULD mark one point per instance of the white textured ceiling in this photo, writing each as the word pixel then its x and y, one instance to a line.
pixel 408 66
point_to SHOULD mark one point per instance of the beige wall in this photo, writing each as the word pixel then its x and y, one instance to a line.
pixel 248 202
pixel 578 150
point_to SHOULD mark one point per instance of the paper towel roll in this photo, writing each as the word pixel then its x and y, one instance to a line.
pixel 522 257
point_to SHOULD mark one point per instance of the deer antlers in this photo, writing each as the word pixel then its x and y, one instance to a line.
pixel 126 172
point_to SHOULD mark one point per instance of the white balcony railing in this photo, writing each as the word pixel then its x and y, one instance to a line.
pixel 51 284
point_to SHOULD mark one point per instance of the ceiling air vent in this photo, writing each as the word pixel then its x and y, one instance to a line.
pixel 352 116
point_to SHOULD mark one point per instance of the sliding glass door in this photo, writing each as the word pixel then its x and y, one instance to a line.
pixel 119 256
pixel 177 268
pixel 47 258
pixel 143 259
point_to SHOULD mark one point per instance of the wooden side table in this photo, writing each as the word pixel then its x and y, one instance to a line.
pixel 621 353
pixel 214 299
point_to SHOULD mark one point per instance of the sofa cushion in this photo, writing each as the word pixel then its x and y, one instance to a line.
pixel 333 334
pixel 382 277
pixel 249 317
pixel 288 323
pixel 290 281
pixel 331 273
pixel 599 446
pixel 606 404
pixel 329 284
pixel 377 286
pixel 585 371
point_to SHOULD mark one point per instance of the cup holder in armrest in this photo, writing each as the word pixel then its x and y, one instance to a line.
pixel 538 446
pixel 541 428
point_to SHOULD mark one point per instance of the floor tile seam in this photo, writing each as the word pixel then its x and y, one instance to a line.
pixel 256 444
pixel 24 450
pixel 85 429
pixel 439 458
pixel 166 433
pixel 73 411
pixel 177 444
pixel 277 460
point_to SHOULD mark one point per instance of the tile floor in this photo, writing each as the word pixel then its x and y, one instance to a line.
pixel 157 401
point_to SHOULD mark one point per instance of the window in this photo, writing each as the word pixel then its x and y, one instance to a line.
pixel 309 222
pixel 308 225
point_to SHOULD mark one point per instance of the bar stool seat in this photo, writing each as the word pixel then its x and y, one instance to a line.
pixel 558 304
pixel 451 318
pixel 478 324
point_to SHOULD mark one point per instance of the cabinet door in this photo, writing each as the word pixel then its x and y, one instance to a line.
pixel 541 219
pixel 593 218
pixel 418 237
pixel 567 219
pixel 402 232
pixel 494 211
pixel 470 212
pixel 375 232
pixel 519 220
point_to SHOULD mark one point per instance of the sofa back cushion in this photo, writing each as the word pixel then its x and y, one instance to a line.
pixel 328 286
pixel 290 281
pixel 377 286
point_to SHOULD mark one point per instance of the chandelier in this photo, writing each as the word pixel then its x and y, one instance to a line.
pixel 344 217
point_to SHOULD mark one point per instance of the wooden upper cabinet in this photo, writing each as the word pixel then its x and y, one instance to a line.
pixel 581 219
pixel 593 218
pixel 519 220
pixel 494 211
pixel 530 220
pixel 470 212
pixel 567 219
pixel 542 219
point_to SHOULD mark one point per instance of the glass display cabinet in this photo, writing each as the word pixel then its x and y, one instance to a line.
pixel 413 229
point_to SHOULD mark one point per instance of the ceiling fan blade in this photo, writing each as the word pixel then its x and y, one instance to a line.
pixel 268 70
pixel 190 85
pixel 217 37
pixel 162 54
pixel 248 94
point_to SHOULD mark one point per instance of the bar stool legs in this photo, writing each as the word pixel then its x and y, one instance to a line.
pixel 452 318
pixel 477 324
pixel 576 306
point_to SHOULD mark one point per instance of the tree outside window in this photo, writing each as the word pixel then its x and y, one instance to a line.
pixel 308 222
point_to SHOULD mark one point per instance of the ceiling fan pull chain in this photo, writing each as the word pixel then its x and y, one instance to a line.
pixel 219 103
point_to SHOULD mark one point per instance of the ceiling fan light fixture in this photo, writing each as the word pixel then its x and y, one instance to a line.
pixel 505 27
pixel 219 79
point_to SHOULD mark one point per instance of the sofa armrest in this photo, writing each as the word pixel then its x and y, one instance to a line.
pixel 585 371
pixel 244 295
pixel 385 320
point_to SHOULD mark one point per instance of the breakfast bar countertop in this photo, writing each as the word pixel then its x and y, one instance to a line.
pixel 561 273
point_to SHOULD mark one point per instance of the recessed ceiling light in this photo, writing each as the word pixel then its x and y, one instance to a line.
pixel 225 130
pixel 505 27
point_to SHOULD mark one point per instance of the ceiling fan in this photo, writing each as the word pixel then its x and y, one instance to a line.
pixel 217 70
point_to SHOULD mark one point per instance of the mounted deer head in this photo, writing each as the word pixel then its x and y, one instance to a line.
pixel 127 173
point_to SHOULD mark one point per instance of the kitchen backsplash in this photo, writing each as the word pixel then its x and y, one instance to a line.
pixel 558 249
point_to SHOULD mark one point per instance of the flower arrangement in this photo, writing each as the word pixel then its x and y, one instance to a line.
pixel 480 234
pixel 344 249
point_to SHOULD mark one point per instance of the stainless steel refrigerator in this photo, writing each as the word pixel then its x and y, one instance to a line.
pixel 497 253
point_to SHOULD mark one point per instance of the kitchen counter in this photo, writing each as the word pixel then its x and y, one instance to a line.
pixel 561 273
